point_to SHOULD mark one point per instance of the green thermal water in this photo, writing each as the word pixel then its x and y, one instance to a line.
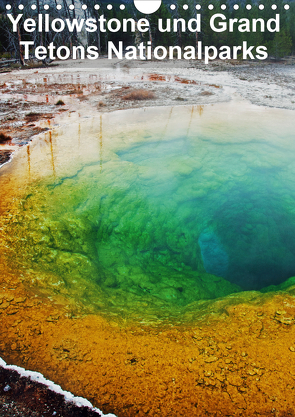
pixel 175 205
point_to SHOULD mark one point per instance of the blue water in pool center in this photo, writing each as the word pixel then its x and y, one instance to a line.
pixel 214 257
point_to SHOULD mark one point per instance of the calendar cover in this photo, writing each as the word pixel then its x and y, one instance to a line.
pixel 147 208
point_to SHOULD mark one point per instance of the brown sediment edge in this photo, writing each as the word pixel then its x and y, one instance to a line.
pixel 10 158
pixel 15 148
pixel 62 399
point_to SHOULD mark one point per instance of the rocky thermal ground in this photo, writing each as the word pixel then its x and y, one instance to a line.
pixel 22 397
pixel 28 97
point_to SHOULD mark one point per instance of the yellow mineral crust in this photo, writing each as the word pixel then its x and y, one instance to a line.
pixel 239 362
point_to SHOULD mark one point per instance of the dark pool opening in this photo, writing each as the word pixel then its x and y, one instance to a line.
pixel 247 234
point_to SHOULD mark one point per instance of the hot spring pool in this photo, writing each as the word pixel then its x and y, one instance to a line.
pixel 162 206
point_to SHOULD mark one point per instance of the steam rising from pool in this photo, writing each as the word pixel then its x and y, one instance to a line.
pixel 176 205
